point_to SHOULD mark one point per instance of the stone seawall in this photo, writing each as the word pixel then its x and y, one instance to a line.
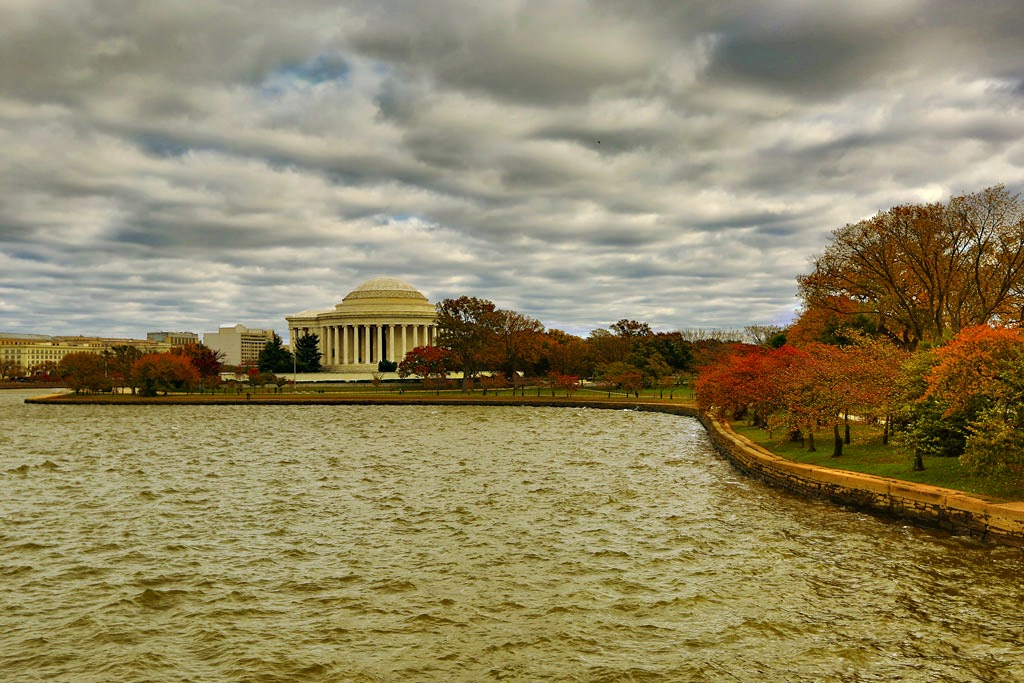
pixel 930 506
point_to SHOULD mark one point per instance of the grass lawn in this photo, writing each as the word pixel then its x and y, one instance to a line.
pixel 865 453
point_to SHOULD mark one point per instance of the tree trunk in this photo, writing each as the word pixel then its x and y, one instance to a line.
pixel 810 441
pixel 918 462
pixel 837 441
pixel 885 432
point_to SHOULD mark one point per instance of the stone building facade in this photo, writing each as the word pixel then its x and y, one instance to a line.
pixel 381 319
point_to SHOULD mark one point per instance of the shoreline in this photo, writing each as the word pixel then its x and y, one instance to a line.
pixel 922 504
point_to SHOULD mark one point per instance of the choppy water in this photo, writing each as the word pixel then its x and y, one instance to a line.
pixel 458 544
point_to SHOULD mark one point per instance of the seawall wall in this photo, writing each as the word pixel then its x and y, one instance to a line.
pixel 930 506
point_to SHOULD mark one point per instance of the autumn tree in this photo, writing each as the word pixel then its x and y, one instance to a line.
pixel 746 381
pixel 427 362
pixel 631 329
pixel 123 362
pixel 83 372
pixel 818 391
pixel 564 353
pixel 921 423
pixel 570 384
pixel 206 361
pixel 979 376
pixel 837 320
pixel 923 272
pixel 467 328
pixel 46 369
pixel 10 369
pixel 164 372
pixel 607 348
pixel 518 339
pixel 623 376
pixel 876 372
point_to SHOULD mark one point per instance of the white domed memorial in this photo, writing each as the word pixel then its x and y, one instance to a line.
pixel 381 319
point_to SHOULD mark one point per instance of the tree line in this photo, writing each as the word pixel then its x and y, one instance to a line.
pixel 491 347
pixel 913 319
pixel 184 368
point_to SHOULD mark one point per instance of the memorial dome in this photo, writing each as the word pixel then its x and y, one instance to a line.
pixel 386 295
pixel 385 288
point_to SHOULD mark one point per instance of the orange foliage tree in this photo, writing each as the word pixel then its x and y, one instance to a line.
pixel 207 362
pixel 818 390
pixel 83 371
pixel 922 272
pixel 565 353
pixel 517 339
pixel 980 377
pixel 164 372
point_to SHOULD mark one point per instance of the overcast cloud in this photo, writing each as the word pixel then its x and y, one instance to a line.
pixel 185 165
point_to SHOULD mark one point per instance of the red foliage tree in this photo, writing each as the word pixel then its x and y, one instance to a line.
pixel 207 362
pixel 84 371
pixel 165 372
pixel 570 384
pixel 427 362
pixel 747 379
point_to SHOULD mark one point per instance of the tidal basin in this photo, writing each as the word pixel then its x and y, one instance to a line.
pixel 429 543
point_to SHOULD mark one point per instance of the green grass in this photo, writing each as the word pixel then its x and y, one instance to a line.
pixel 866 453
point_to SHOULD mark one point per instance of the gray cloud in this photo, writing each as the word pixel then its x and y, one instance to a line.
pixel 182 165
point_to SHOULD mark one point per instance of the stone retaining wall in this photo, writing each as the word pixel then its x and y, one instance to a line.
pixel 931 506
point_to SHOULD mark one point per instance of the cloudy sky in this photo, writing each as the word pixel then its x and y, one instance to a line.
pixel 185 165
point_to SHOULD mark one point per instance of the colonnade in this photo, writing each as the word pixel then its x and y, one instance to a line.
pixel 368 343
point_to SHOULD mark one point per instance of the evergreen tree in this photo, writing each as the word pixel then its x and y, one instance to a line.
pixel 307 353
pixel 275 357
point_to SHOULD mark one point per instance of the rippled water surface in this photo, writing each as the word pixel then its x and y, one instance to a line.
pixel 337 543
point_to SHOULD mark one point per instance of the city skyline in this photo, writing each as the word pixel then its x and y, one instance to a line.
pixel 193 166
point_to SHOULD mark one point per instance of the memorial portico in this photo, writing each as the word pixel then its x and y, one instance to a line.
pixel 381 319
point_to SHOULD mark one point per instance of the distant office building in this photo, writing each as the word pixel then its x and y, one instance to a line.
pixel 173 338
pixel 239 344
pixel 36 352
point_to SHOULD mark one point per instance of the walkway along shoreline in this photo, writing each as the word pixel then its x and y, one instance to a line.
pixel 930 506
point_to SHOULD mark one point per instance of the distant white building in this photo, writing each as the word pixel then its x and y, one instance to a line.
pixel 381 319
pixel 239 344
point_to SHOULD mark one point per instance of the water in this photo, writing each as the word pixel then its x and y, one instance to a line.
pixel 338 543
